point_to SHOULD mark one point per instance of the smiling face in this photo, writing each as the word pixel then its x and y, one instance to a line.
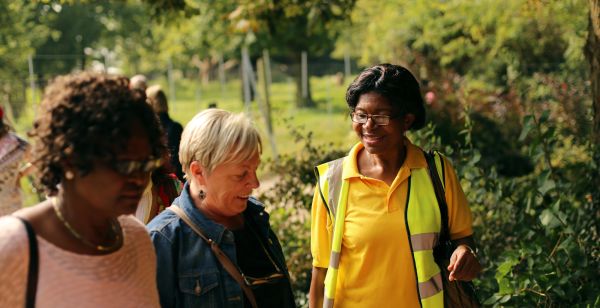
pixel 380 139
pixel 109 192
pixel 229 185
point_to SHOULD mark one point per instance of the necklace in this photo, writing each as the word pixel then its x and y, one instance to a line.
pixel 115 228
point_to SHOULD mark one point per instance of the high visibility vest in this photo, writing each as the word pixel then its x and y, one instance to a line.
pixel 423 226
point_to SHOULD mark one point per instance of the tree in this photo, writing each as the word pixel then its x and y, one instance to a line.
pixel 592 52
pixel 285 27
pixel 21 30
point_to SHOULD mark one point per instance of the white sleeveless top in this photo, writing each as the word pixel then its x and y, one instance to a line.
pixel 124 278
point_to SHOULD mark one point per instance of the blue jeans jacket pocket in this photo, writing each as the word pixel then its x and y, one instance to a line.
pixel 200 289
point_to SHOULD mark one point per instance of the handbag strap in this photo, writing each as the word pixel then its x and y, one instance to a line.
pixel 221 256
pixel 32 273
pixel 439 194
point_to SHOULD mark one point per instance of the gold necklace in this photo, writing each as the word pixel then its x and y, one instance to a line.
pixel 115 227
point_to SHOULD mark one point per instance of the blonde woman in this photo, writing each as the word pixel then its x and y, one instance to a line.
pixel 214 245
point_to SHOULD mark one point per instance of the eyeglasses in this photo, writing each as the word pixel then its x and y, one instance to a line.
pixel 129 167
pixel 378 119
pixel 253 281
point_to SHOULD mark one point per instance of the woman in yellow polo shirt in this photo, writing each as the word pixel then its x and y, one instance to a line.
pixel 390 219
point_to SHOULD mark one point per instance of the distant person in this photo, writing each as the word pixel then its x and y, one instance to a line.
pixel 138 82
pixel 220 152
pixel 375 215
pixel 96 142
pixel 162 189
pixel 13 152
pixel 173 130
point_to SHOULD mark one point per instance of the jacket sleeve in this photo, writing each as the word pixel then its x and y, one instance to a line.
pixel 166 269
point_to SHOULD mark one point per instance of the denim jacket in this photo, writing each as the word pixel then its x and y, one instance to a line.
pixel 188 274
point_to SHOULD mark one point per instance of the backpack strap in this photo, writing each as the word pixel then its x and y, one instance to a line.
pixel 432 158
pixel 32 272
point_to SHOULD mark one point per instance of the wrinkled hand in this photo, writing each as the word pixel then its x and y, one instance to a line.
pixel 463 264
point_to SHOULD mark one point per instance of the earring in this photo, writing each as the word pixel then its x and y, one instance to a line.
pixel 202 194
pixel 69 175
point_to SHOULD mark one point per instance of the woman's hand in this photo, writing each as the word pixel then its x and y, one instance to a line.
pixel 463 264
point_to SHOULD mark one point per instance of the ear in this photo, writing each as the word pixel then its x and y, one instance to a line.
pixel 197 173
pixel 407 121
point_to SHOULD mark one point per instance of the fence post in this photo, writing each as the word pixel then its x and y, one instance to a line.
pixel 346 65
pixel 304 68
pixel 245 81
pixel 171 81
pixel 32 80
pixel 222 76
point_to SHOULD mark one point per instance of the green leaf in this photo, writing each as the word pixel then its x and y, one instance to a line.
pixel 528 124
pixel 546 186
pixel 548 219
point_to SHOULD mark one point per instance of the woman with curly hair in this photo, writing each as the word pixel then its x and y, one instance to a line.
pixel 96 141
pixel 13 151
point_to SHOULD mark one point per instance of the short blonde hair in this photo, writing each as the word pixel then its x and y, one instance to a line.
pixel 215 136
pixel 157 99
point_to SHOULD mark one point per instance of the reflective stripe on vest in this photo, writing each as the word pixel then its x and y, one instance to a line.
pixel 423 224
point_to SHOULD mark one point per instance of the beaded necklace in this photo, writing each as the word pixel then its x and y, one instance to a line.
pixel 115 228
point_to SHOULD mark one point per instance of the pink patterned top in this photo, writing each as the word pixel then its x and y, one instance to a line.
pixel 124 278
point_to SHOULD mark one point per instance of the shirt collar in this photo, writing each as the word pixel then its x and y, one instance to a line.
pixel 414 159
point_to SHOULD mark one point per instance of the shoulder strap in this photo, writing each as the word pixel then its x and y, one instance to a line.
pixel 32 273
pixel 221 256
pixel 439 193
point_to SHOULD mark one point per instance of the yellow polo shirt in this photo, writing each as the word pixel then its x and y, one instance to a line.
pixel 376 266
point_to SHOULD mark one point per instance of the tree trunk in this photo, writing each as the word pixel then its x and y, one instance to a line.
pixel 592 53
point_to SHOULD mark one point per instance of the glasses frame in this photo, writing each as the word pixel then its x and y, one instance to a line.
pixel 257 281
pixel 374 117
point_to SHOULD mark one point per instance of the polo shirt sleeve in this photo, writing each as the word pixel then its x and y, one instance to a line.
pixel 459 215
pixel 320 232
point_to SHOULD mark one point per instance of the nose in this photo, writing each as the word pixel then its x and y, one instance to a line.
pixel 253 181
pixel 370 122
pixel 139 178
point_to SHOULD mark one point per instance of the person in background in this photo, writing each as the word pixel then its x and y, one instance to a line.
pixel 158 100
pixel 13 154
pixel 387 220
pixel 161 191
pixel 138 82
pixel 95 143
pixel 220 152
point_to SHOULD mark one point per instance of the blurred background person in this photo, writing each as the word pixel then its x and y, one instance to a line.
pixel 13 165
pixel 96 142
pixel 220 152
pixel 138 81
pixel 158 100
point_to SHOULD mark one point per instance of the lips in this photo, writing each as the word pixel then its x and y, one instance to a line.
pixel 371 139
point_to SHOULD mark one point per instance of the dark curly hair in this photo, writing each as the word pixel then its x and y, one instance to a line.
pixel 87 118
pixel 396 84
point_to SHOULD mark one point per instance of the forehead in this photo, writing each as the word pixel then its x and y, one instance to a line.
pixel 373 102
pixel 137 147
pixel 250 163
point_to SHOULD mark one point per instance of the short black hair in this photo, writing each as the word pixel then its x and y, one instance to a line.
pixel 394 82
pixel 85 118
